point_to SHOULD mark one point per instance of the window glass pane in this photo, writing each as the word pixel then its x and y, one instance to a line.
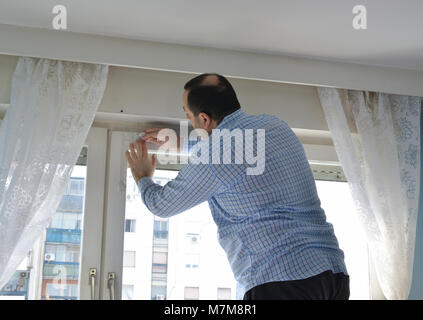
pixel 339 207
pixel 55 257
pixel 158 293
pixel 168 245
pixel 127 292
pixel 158 269
pixel 160 257
pixel 130 225
pixel 129 258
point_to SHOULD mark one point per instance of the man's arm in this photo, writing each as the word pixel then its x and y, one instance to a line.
pixel 193 185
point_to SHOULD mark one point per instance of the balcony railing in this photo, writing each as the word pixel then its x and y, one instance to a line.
pixel 66 270
pixel 63 235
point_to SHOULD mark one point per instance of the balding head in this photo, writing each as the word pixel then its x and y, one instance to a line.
pixel 210 80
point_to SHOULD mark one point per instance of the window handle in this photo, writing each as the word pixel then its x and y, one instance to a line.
pixel 111 276
pixel 92 275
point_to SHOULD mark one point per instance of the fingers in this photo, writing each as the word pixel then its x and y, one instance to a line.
pixel 150 135
pixel 132 153
pixel 142 150
pixel 128 157
pixel 138 147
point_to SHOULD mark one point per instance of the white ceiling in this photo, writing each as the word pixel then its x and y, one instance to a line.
pixel 317 29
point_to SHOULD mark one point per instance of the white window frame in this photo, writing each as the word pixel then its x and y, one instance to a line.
pixel 91 241
pixel 93 211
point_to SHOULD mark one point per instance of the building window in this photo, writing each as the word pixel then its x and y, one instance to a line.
pixel 161 229
pixel 158 293
pixel 127 292
pixel 159 268
pixel 160 257
pixel 67 220
pixel 129 259
pixel 61 253
pixel 130 225
pixel 224 294
pixel 61 290
pixel 191 293
pixel 76 187
pixel 159 262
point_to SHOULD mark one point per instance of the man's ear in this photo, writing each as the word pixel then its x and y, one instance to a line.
pixel 206 120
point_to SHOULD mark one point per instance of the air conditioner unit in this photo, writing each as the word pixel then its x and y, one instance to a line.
pixel 160 297
pixel 49 257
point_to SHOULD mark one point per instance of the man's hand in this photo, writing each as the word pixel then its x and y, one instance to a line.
pixel 139 162
pixel 150 135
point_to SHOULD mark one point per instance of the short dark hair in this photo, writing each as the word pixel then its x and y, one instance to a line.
pixel 217 101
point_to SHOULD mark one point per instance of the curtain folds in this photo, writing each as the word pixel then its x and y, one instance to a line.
pixel 377 139
pixel 52 107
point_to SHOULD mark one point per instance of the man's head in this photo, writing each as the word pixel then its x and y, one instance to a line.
pixel 207 99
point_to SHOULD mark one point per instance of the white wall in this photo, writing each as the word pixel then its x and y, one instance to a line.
pixel 159 93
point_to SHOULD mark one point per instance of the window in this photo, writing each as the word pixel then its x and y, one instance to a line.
pixel 159 268
pixel 129 259
pixel 127 292
pixel 176 247
pixel 192 238
pixel 191 293
pixel 52 268
pixel 339 207
pixel 67 220
pixel 224 294
pixel 60 291
pixel 161 229
pixel 159 262
pixel 75 187
pixel 158 293
pixel 130 225
pixel 160 257
pixel 61 253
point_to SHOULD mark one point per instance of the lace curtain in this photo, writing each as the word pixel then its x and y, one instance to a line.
pixel 53 104
pixel 377 139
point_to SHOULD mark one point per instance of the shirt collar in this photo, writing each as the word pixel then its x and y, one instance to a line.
pixel 230 117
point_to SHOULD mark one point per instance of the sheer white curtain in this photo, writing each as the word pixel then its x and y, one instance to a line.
pixel 52 107
pixel 377 139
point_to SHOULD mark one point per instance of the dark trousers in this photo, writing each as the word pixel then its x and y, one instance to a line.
pixel 324 286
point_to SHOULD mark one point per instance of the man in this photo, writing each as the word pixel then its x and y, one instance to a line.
pixel 270 225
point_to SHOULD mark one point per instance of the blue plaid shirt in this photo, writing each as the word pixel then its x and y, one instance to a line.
pixel 270 225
